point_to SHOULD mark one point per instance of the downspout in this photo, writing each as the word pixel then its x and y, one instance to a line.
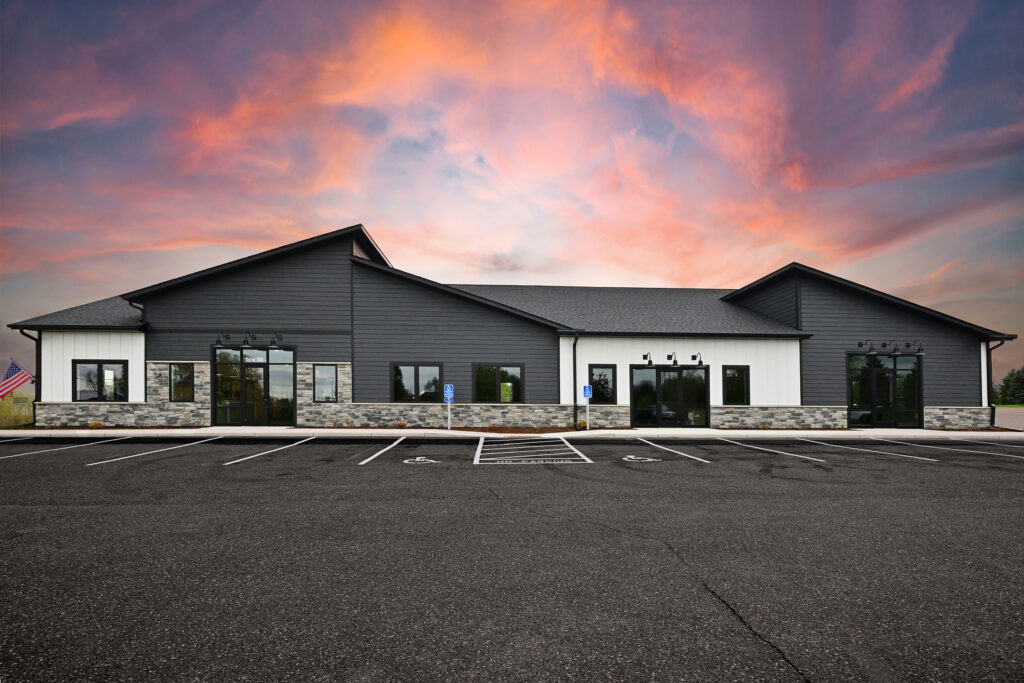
pixel 575 400
pixel 991 393
pixel 39 369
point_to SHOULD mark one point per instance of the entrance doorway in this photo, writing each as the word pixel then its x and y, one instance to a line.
pixel 668 396
pixel 254 386
pixel 884 391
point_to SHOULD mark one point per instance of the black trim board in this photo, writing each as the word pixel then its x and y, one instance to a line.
pixel 863 289
pixel 460 293
pixel 357 232
pixel 688 335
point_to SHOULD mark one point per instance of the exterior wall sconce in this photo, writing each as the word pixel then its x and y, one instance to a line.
pixel 917 343
pixel 699 358
pixel 672 357
pixel 649 359
pixel 221 337
pixel 247 340
pixel 275 339
pixel 871 347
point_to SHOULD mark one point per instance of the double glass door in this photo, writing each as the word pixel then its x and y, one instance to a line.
pixel 254 386
pixel 669 396
pixel 884 391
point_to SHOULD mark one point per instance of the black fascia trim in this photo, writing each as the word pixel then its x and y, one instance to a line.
pixel 249 260
pixel 460 293
pixel 126 328
pixel 685 335
pixel 864 289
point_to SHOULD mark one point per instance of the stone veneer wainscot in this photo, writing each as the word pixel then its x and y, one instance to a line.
pixel 778 417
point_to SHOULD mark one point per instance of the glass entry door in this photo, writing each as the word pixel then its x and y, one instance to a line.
pixel 669 396
pixel 254 386
pixel 884 391
pixel 881 397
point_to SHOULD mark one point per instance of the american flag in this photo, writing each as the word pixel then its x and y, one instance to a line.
pixel 13 378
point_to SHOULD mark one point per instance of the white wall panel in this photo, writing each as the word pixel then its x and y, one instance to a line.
pixel 60 348
pixel 774 364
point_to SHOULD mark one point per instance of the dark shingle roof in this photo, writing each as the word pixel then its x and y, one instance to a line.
pixel 110 313
pixel 636 310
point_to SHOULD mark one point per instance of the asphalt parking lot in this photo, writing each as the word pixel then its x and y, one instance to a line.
pixel 511 559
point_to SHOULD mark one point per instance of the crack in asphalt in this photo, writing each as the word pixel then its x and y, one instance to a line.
pixel 682 561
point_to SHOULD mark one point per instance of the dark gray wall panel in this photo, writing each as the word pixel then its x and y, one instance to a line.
pixel 305 296
pixel 196 345
pixel 838 318
pixel 777 301
pixel 397 320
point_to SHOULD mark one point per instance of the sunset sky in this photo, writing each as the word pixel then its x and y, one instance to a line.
pixel 593 143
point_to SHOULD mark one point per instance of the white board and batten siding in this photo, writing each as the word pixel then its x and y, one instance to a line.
pixel 60 348
pixel 774 364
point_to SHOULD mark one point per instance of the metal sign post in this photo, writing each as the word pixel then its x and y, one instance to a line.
pixel 588 391
pixel 449 398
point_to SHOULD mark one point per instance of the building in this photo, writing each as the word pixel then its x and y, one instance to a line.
pixel 324 332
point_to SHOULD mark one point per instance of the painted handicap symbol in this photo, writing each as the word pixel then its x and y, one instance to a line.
pixel 637 458
pixel 420 461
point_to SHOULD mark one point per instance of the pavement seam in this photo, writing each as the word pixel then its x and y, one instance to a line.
pixel 681 560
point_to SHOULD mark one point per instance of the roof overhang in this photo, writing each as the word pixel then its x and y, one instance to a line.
pixel 685 335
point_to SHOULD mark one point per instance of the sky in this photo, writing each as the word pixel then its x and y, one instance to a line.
pixel 695 144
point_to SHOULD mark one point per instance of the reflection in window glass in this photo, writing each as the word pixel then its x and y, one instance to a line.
pixel 281 394
pixel 736 386
pixel 428 383
pixel 511 384
pixel 182 382
pixel 325 383
pixel 229 356
pixel 485 384
pixel 100 381
pixel 86 384
pixel 602 382
pixel 254 355
pixel 281 355
pixel 404 379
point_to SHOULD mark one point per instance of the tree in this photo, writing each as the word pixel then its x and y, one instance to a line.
pixel 1011 389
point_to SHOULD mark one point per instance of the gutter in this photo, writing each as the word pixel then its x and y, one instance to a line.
pixel 575 400
pixel 39 370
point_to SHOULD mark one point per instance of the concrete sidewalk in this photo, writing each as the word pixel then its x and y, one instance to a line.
pixel 661 434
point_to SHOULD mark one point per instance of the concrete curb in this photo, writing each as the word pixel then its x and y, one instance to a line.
pixel 662 434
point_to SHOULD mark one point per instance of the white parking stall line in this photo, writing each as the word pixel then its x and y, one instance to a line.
pixel 479 446
pixel 159 450
pixel 385 450
pixel 521 439
pixel 577 452
pixel 946 448
pixel 555 454
pixel 275 450
pixel 22 438
pixel 868 450
pixel 987 443
pixel 685 455
pixel 64 448
pixel 770 450
pixel 488 449
pixel 524 444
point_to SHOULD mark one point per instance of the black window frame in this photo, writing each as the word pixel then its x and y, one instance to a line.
pixel 497 381
pixel 416 365
pixel 100 389
pixel 335 368
pixel 170 384
pixel 615 382
pixel 746 390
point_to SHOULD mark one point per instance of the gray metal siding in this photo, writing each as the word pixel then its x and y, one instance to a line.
pixel 838 318
pixel 397 320
pixel 777 300
pixel 305 296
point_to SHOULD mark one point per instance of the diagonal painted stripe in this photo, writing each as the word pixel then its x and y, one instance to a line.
pixel 707 462
pixel 64 448
pixel 22 438
pixel 771 450
pixel 867 450
pixel 945 448
pixel 576 451
pixel 400 440
pixel 159 450
pixel 476 458
pixel 275 450
pixel 987 443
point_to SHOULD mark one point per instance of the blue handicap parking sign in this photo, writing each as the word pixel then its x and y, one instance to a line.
pixel 588 391
pixel 449 390
pixel 449 399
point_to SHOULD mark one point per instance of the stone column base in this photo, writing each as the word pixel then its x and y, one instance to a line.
pixel 957 417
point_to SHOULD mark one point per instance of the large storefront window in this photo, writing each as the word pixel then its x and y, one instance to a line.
pixel 254 386
pixel 100 380
pixel 884 390
pixel 669 396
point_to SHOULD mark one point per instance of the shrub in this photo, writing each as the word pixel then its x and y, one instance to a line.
pixel 96 425
pixel 401 425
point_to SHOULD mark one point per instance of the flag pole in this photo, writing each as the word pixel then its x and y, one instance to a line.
pixel 23 367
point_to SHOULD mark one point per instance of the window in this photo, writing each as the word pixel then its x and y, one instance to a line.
pixel 183 382
pixel 736 385
pixel 498 383
pixel 325 383
pixel 99 380
pixel 416 382
pixel 602 380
